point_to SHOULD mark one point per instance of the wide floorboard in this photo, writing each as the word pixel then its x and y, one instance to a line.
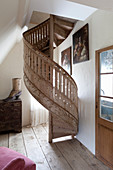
pixel 63 154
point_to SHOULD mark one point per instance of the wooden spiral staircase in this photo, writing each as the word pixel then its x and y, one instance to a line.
pixel 47 81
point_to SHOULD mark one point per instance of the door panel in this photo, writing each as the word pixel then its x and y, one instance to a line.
pixel 106 143
pixel 104 105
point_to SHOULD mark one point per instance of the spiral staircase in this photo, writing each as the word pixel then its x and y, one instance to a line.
pixel 47 81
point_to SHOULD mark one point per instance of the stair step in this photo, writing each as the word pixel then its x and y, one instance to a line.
pixel 58 39
pixel 65 27
pixel 69 23
pixel 60 31
pixel 45 48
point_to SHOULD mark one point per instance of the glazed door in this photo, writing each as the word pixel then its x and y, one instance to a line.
pixel 104 105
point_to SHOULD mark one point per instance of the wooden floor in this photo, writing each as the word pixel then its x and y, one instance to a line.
pixel 62 155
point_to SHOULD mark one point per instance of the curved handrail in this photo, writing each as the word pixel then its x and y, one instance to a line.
pixel 51 61
pixel 55 82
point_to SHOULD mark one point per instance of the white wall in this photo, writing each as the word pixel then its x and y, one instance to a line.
pixel 8 26
pixel 12 67
pixel 100 36
pixel 12 18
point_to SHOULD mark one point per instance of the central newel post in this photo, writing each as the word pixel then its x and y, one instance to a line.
pixel 51 56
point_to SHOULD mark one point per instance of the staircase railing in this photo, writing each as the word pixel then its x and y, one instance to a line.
pixel 46 75
pixel 39 35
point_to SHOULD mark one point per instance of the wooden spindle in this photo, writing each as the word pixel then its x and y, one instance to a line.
pixel 51 75
pixel 43 68
pixel 55 79
pixel 47 72
pixel 60 82
pixel 67 87
pixel 38 66
pixel 35 63
pixel 36 37
pixel 46 31
pixel 38 34
pixel 63 84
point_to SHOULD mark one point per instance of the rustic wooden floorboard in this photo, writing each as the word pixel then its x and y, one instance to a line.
pixel 53 155
pixel 87 155
pixel 81 153
pixel 16 142
pixel 73 158
pixel 60 155
pixel 34 150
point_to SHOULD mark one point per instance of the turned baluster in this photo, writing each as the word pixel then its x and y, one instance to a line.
pixel 43 69
pixel 60 81
pixel 51 75
pixel 35 37
pixel 46 31
pixel 47 72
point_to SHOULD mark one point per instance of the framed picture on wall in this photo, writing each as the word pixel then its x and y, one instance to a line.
pixel 81 45
pixel 66 60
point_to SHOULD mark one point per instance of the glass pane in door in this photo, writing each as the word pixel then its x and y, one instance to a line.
pixel 106 108
pixel 106 85
pixel 106 61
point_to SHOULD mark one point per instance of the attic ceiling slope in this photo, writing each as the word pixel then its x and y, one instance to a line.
pixel 99 4
pixel 60 7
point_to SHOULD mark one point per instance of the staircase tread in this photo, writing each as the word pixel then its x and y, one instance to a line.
pixel 61 31
pixel 65 27
pixel 58 36
pixel 45 48
pixel 69 23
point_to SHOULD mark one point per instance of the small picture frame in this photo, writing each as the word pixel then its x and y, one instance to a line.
pixel 66 60
pixel 81 45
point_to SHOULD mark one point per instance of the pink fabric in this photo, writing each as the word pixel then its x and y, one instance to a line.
pixel 15 164
pixel 7 156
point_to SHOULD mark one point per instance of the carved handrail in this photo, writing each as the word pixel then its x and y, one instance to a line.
pixel 49 77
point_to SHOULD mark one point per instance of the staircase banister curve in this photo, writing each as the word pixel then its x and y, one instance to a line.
pixel 31 47
pixel 52 64
pixel 49 59
pixel 35 28
pixel 46 80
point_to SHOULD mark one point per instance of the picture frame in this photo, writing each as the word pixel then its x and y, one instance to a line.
pixel 66 60
pixel 81 45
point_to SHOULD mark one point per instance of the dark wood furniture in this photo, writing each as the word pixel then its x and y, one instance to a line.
pixel 11 116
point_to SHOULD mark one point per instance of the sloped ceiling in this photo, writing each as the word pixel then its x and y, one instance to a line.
pixel 13 14
pixel 60 7
pixel 99 4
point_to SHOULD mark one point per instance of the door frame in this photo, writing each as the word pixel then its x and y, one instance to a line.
pixel 99 120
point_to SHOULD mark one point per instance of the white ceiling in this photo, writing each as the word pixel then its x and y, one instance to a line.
pixel 60 7
pixel 77 9
pixel 100 4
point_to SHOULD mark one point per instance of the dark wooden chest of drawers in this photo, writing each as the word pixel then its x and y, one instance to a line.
pixel 11 116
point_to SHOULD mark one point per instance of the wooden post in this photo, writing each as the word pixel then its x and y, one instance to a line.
pixel 50 134
pixel 51 35
pixel 51 56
